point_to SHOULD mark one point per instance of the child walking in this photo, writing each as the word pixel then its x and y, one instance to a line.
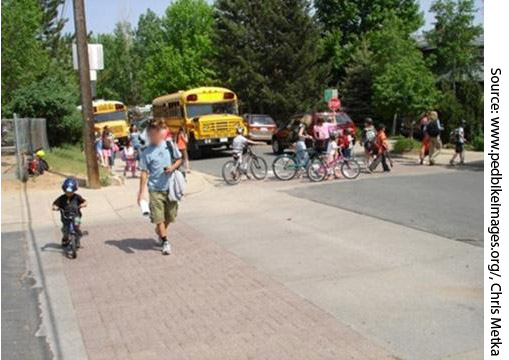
pixel 383 147
pixel 129 156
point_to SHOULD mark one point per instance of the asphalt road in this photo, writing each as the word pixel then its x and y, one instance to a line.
pixel 20 309
pixel 447 204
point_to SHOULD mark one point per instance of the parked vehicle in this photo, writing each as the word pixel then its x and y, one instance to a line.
pixel 283 136
pixel 259 127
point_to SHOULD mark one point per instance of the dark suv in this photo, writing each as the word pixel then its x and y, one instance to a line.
pixel 281 139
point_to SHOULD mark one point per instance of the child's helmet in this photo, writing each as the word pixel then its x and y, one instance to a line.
pixel 40 154
pixel 70 185
pixel 240 130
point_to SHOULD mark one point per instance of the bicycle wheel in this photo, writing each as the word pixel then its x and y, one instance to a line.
pixel 258 168
pixel 350 169
pixel 231 173
pixel 73 246
pixel 317 170
pixel 285 167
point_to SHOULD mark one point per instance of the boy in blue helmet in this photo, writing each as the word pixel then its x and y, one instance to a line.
pixel 70 202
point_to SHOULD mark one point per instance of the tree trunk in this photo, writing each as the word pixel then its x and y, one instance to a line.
pixel 394 123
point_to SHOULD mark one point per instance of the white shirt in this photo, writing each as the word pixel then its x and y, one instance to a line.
pixel 238 144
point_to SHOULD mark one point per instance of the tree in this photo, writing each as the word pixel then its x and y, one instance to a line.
pixel 184 49
pixel 345 22
pixel 403 84
pixel 454 37
pixel 119 79
pixel 357 86
pixel 24 59
pixel 458 68
pixel 53 100
pixel 52 25
pixel 268 51
pixel 148 37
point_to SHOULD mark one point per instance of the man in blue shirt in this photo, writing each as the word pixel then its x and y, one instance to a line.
pixel 156 166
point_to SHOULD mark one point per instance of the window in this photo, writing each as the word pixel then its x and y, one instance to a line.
pixel 119 115
pixel 195 110
pixel 261 120
pixel 172 109
pixel 343 119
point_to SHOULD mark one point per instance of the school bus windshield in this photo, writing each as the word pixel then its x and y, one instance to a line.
pixel 194 110
pixel 112 116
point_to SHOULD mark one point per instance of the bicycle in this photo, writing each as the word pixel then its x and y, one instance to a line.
pixel 286 166
pixel 319 169
pixel 70 233
pixel 234 169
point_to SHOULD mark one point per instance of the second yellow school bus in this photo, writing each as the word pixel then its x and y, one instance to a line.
pixel 210 116
pixel 112 114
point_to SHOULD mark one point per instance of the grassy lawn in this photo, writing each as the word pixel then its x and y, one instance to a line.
pixel 70 160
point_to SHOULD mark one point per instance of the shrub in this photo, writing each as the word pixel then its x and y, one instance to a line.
pixel 404 145
pixel 478 142
pixel 53 100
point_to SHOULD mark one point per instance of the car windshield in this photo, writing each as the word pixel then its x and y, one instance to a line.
pixel 118 115
pixel 195 110
pixel 261 120
pixel 343 119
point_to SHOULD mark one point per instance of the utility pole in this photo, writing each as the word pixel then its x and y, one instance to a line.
pixel 86 95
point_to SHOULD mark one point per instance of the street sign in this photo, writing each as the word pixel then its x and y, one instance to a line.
pixel 95 56
pixel 330 94
pixel 334 104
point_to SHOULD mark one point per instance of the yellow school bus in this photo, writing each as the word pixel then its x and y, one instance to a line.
pixel 112 114
pixel 209 115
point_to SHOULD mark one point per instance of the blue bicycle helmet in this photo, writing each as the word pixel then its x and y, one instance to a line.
pixel 70 185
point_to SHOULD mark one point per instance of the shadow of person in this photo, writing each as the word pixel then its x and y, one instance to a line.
pixel 53 247
pixel 130 246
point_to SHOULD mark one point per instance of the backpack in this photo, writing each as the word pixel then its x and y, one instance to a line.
pixel 433 129
pixel 456 135
pixel 369 135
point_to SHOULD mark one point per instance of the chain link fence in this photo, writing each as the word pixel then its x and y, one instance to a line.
pixel 22 137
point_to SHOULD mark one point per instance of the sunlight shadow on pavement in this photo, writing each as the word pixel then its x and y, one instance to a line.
pixel 130 246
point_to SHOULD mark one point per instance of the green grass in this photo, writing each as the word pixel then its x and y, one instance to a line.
pixel 70 160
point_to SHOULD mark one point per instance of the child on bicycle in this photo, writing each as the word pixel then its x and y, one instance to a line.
pixel 239 145
pixel 69 202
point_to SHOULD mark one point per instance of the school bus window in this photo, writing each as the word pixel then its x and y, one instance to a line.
pixel 194 110
pixel 113 116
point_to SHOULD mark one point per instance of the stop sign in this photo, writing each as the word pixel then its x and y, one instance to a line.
pixel 334 104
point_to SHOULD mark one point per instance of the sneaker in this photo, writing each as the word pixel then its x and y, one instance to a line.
pixel 166 248
pixel 451 163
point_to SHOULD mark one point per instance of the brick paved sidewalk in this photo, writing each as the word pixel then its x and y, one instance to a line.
pixel 202 302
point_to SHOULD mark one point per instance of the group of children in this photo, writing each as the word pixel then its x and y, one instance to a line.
pixel 340 142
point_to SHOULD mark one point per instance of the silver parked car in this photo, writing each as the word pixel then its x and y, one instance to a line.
pixel 259 127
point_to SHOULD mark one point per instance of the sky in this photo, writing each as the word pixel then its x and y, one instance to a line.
pixel 103 14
